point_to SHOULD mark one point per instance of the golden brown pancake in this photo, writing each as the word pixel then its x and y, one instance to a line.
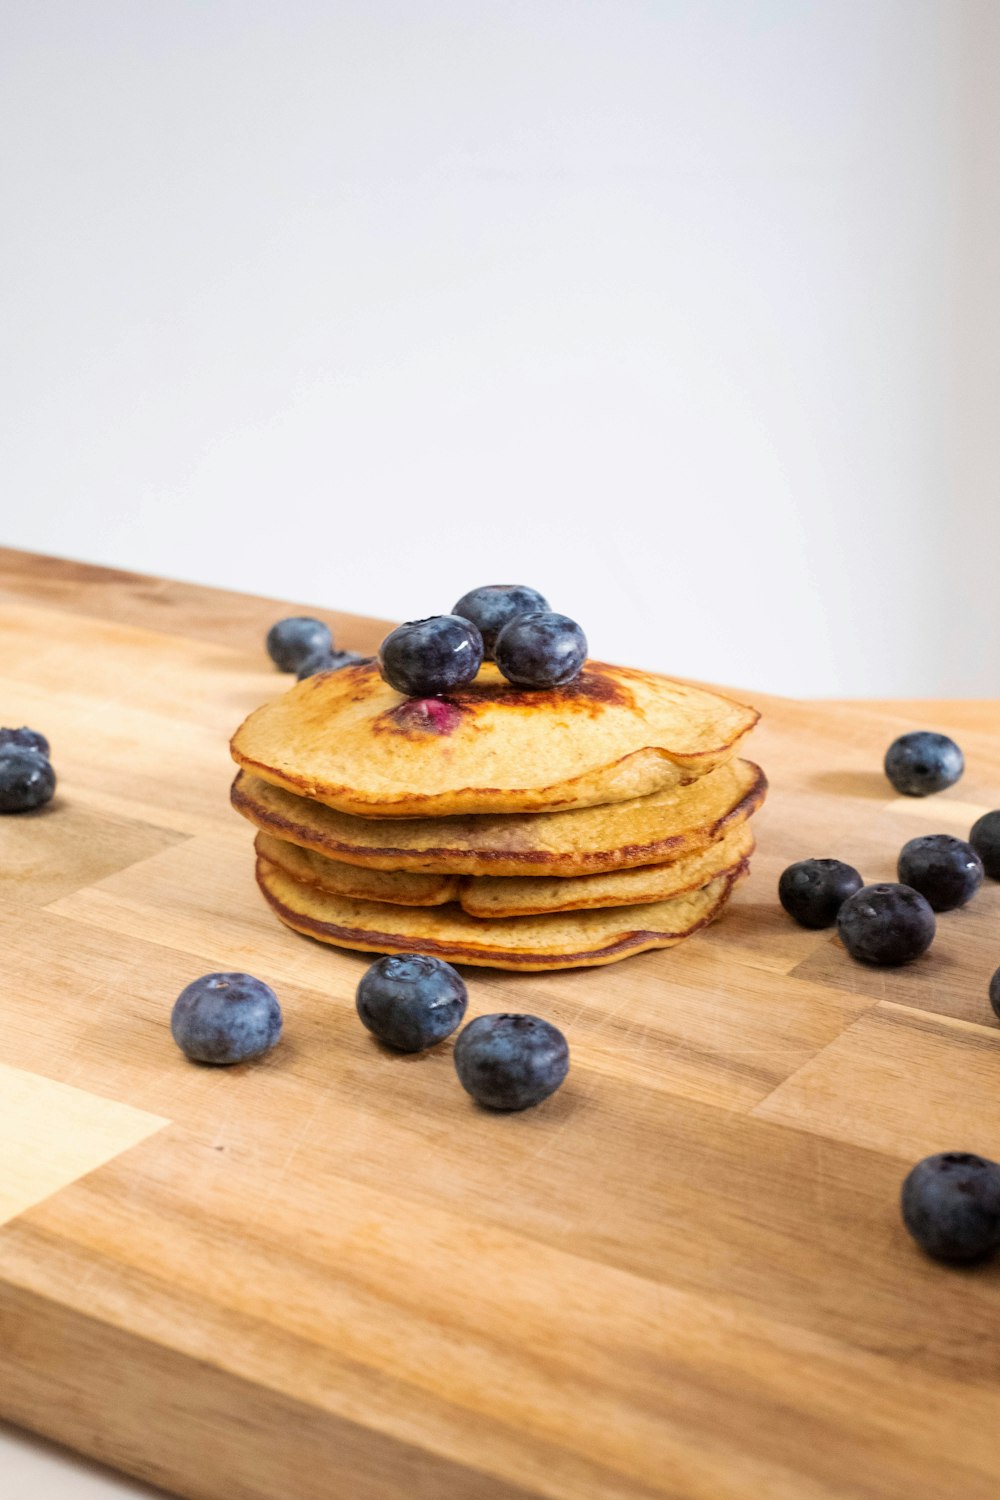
pixel 648 830
pixel 396 887
pixel 577 939
pixel 349 740
pixel 521 895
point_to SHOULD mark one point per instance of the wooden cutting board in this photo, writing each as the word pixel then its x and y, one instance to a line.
pixel 329 1275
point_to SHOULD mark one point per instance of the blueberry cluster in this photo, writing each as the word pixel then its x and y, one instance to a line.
pixel 508 623
pixel 305 646
pixel 889 923
pixel 506 1062
pixel 27 780
pixel 410 1001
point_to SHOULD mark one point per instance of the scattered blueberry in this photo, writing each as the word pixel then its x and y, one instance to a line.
pixel 491 607
pixel 985 839
pixel 424 658
pixel 886 924
pixel 329 661
pixel 411 1001
pixel 541 650
pixel 995 993
pixel 923 762
pixel 27 779
pixel 292 641
pixel 951 1205
pixel 813 890
pixel 226 1018
pixel 24 739
pixel 511 1062
pixel 946 870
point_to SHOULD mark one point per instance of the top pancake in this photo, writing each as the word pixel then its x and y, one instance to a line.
pixel 349 740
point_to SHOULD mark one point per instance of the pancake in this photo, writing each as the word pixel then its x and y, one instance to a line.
pixel 490 898
pixel 350 741
pixel 581 939
pixel 395 887
pixel 521 896
pixel 648 830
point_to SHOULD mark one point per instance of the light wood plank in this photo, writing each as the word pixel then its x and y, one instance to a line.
pixel 684 1276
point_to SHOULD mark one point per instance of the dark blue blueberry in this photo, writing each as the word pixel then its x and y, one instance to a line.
pixel 411 1001
pixel 425 658
pixel 292 641
pixel 494 605
pixel 24 739
pixel 995 993
pixel 541 650
pixel 27 779
pixel 511 1062
pixel 951 1205
pixel 886 924
pixel 329 661
pixel 946 870
pixel 226 1018
pixel 813 890
pixel 923 762
pixel 985 839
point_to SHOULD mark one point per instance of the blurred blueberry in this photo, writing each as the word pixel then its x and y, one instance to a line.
pixel 226 1018
pixel 813 890
pixel 923 762
pixel 425 658
pixel 951 1205
pixel 292 641
pixel 411 1001
pixel 541 650
pixel 886 924
pixel 329 661
pixel 27 779
pixel 493 605
pixel 985 839
pixel 24 739
pixel 946 870
pixel 995 993
pixel 510 1061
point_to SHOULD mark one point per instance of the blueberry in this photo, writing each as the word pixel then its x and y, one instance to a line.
pixel 27 779
pixel 541 650
pixel 995 993
pixel 985 839
pixel 886 924
pixel 411 1001
pixel 923 762
pixel 813 890
pixel 24 739
pixel 946 870
pixel 424 658
pixel 511 1062
pixel 491 607
pixel 290 642
pixel 951 1205
pixel 226 1018
pixel 328 661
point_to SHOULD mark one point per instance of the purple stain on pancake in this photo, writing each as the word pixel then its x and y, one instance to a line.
pixel 423 716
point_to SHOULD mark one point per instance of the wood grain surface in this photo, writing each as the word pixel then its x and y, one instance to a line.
pixel 330 1276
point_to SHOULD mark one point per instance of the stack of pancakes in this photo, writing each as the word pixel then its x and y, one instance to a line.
pixel 519 829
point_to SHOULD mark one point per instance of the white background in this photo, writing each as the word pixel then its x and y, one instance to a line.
pixel 686 312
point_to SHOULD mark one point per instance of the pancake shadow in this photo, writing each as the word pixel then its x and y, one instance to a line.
pixel 870 784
